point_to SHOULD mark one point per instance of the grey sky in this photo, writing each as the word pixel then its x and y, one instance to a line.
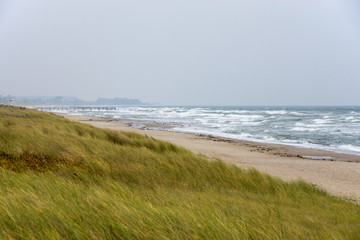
pixel 188 52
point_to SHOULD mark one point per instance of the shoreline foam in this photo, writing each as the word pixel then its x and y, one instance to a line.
pixel 273 141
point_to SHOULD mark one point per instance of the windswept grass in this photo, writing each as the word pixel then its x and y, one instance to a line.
pixel 61 179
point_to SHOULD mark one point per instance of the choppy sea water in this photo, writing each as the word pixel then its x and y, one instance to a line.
pixel 330 128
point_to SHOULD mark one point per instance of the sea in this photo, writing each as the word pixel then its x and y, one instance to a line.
pixel 328 128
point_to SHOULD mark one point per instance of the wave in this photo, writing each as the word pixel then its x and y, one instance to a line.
pixel 297 113
pixel 276 112
pixel 349 147
pixel 302 129
pixel 322 121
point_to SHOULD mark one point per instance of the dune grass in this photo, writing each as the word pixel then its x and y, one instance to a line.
pixel 61 179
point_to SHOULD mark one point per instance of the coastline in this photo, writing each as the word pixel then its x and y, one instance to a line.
pixel 338 173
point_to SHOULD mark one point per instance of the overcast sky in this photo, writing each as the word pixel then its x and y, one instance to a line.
pixel 188 52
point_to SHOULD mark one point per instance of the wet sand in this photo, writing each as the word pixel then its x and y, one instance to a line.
pixel 338 173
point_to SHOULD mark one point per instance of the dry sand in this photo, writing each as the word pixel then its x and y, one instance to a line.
pixel 339 176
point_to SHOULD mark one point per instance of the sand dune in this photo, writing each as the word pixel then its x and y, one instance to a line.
pixel 339 176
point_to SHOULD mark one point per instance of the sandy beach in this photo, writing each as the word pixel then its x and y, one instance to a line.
pixel 338 173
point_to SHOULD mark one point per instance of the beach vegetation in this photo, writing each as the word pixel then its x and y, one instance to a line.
pixel 61 179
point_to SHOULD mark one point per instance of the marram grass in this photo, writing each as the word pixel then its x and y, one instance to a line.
pixel 61 179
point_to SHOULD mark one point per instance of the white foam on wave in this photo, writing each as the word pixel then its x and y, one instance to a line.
pixel 321 121
pixel 301 125
pixel 352 119
pixel 350 147
pixel 297 113
pixel 303 129
pixel 269 139
pixel 244 118
pixel 250 123
pixel 276 112
pixel 354 113
pixel 231 111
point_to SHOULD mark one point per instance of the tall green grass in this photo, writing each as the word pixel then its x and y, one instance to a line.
pixel 61 179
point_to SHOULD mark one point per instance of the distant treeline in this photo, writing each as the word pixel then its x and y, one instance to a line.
pixel 59 100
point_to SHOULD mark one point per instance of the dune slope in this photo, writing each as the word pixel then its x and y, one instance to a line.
pixel 64 179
